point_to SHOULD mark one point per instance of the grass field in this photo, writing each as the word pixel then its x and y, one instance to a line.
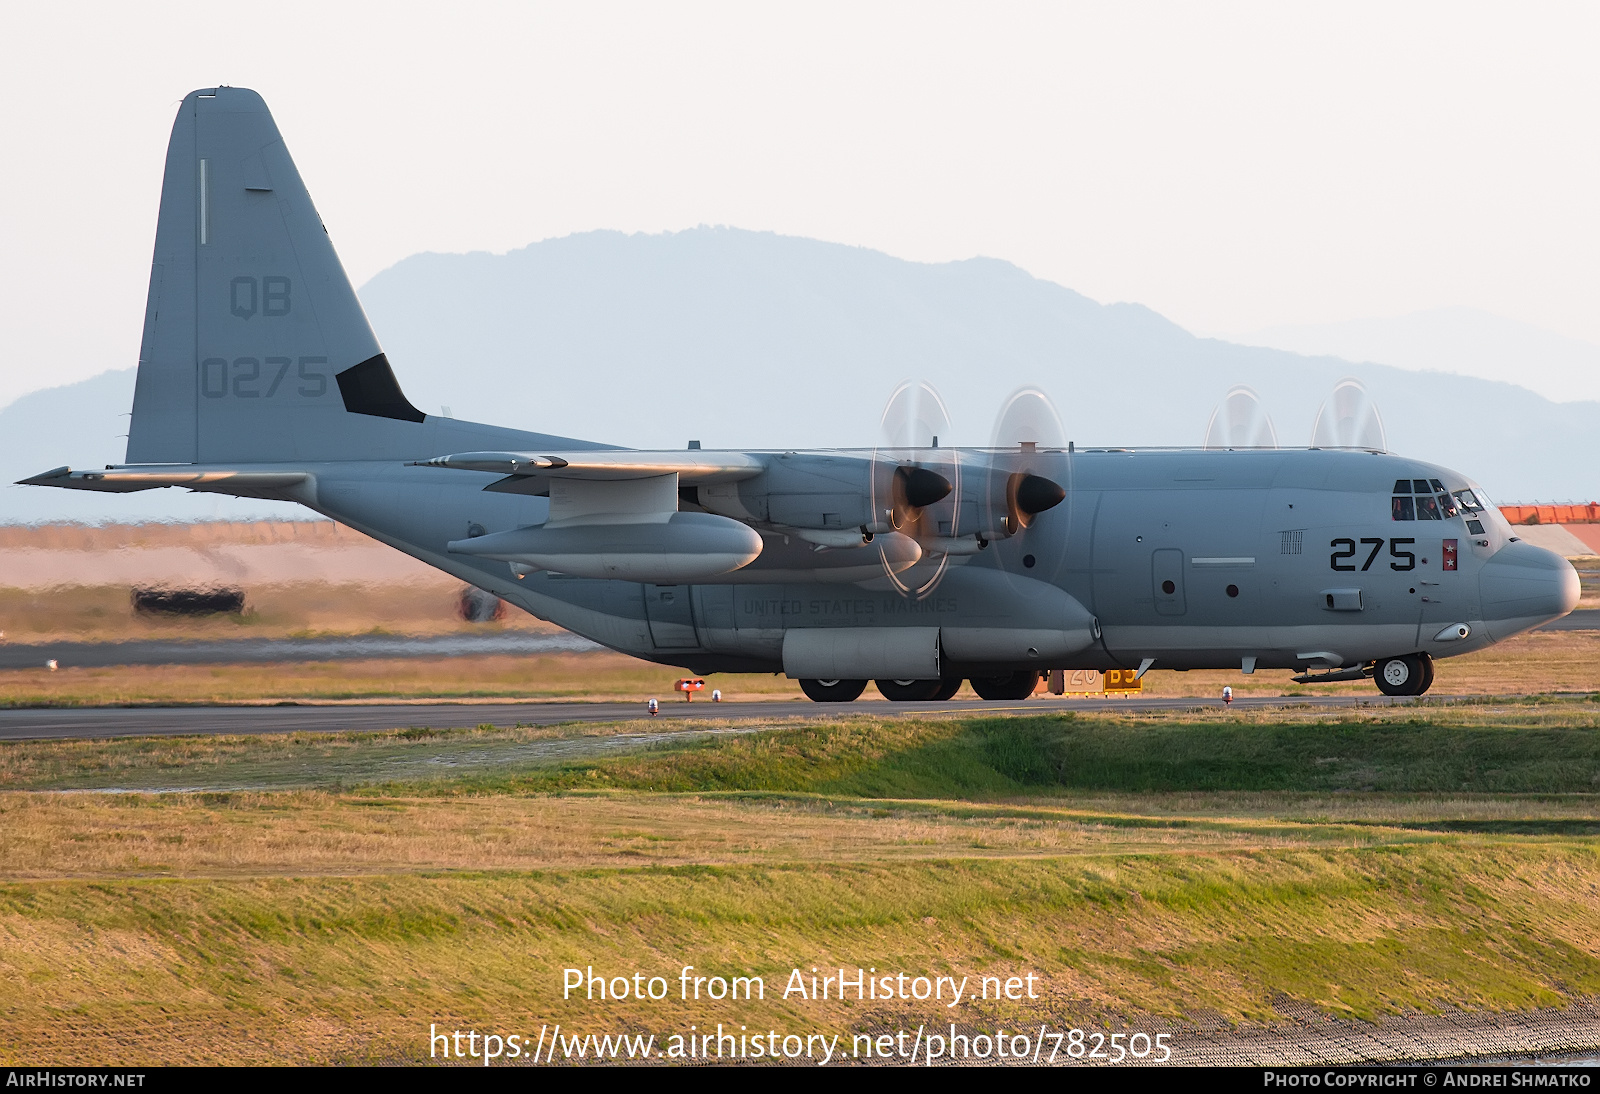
pixel 351 889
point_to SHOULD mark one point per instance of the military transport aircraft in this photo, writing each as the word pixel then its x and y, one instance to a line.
pixel 910 564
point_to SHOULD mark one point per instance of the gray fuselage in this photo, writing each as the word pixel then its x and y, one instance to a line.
pixel 1292 557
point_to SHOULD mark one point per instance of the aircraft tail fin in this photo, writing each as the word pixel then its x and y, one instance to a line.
pixel 255 346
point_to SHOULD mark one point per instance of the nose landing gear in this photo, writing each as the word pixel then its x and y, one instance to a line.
pixel 1408 675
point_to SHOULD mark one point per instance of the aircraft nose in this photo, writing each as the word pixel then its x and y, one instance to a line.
pixel 1523 586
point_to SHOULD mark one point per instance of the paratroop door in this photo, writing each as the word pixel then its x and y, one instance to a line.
pixel 671 615
pixel 1166 578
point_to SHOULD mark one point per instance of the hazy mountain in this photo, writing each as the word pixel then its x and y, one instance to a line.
pixel 1459 340
pixel 746 339
pixel 751 339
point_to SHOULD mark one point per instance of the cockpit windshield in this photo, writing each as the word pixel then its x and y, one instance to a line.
pixel 1427 499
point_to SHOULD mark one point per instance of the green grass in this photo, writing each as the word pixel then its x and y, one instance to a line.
pixel 1468 748
pixel 987 757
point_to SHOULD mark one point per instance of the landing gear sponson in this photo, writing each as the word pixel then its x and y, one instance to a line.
pixel 1406 675
pixel 1016 685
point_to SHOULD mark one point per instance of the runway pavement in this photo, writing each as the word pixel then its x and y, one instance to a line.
pixel 93 722
pixel 1584 619
pixel 285 650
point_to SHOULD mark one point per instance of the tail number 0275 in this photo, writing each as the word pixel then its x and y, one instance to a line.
pixel 1344 554
pixel 262 377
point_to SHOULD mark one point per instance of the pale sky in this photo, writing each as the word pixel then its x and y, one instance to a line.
pixel 1234 166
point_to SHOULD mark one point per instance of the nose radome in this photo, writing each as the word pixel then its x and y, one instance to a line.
pixel 1523 586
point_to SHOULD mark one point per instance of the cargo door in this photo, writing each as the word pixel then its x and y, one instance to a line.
pixel 669 608
pixel 1166 581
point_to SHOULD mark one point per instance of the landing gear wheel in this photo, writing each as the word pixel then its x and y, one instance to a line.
pixel 948 687
pixel 909 691
pixel 1016 685
pixel 833 691
pixel 1408 675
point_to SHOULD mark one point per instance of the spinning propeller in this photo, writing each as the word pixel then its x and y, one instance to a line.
pixel 1027 468
pixel 1026 433
pixel 1348 418
pixel 910 472
pixel 1240 421
pixel 954 505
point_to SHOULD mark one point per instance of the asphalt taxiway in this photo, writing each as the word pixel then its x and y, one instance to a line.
pixel 98 722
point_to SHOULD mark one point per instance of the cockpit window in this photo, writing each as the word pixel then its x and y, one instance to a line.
pixel 1431 501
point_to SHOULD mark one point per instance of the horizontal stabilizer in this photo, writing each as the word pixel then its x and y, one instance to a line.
pixel 221 480
pixel 690 466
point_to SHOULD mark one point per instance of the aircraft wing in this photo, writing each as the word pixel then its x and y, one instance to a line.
pixel 692 466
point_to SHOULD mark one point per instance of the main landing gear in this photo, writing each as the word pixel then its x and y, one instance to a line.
pixel 1408 675
pixel 919 691
pixel 1016 685
pixel 833 691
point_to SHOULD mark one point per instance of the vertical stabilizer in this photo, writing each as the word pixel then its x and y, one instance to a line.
pixel 255 347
